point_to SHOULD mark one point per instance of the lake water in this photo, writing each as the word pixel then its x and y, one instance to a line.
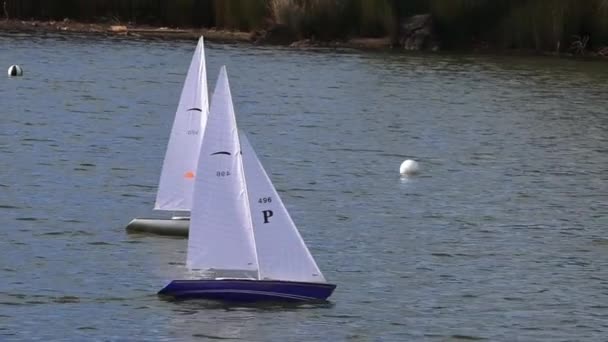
pixel 502 236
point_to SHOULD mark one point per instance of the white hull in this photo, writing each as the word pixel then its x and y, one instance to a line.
pixel 169 227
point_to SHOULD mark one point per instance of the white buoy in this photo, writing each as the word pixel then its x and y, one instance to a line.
pixel 15 70
pixel 409 167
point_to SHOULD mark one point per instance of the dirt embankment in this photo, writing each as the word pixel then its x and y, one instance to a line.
pixel 415 35
pixel 108 29
pixel 67 25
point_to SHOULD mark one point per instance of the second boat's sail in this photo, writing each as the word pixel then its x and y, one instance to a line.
pixel 179 167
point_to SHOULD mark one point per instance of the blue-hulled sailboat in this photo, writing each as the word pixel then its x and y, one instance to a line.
pixel 243 245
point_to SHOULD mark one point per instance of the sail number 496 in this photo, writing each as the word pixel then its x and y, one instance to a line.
pixel 265 200
pixel 222 173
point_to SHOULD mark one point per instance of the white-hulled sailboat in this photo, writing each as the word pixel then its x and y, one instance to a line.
pixel 243 245
pixel 179 166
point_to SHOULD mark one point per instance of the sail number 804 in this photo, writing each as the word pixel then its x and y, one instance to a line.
pixel 265 200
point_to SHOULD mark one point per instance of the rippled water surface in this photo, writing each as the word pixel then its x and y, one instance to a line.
pixel 503 236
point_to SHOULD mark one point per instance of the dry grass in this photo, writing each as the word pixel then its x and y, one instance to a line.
pixel 287 12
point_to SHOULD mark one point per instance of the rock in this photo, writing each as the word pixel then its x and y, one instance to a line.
pixel 305 43
pixel 416 33
pixel 277 34
pixel 255 35
pixel 118 28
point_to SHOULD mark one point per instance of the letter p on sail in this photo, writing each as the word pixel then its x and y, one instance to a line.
pixel 267 214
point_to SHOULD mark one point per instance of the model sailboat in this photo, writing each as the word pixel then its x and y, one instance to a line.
pixel 179 166
pixel 243 244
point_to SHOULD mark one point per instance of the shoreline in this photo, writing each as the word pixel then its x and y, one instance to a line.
pixel 228 36
pixel 146 31
pixel 111 29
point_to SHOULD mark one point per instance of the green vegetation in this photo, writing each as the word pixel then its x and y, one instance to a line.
pixel 523 24
pixel 550 25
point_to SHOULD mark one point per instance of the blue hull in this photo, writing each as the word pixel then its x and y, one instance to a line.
pixel 242 290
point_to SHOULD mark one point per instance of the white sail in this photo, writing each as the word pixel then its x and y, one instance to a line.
pixel 282 254
pixel 221 241
pixel 179 167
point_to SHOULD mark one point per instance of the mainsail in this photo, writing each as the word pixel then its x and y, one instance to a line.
pixel 179 167
pixel 221 241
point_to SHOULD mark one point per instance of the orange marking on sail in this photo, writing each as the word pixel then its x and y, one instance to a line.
pixel 189 175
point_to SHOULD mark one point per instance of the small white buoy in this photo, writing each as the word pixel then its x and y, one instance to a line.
pixel 409 167
pixel 15 70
